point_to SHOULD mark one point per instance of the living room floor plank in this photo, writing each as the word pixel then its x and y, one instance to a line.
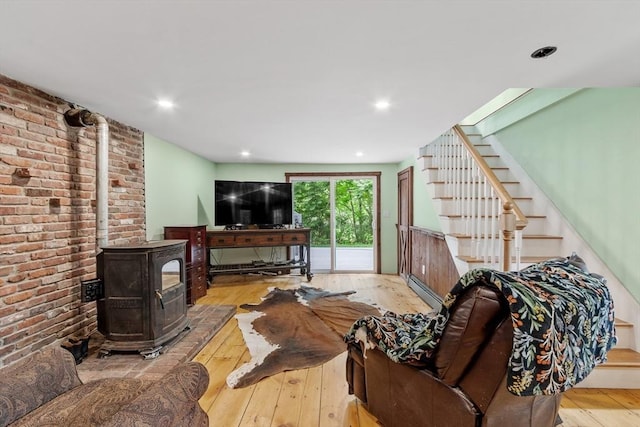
pixel 317 397
pixel 215 343
pixel 310 410
pixel 229 406
pixel 289 402
pixel 261 407
pixel 225 360
pixel 333 404
pixel 602 405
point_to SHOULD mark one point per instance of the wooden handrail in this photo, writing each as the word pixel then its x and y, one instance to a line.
pixel 505 197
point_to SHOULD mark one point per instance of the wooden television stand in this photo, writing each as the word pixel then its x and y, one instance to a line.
pixel 258 238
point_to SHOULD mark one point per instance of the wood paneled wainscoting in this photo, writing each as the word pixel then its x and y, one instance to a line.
pixel 432 272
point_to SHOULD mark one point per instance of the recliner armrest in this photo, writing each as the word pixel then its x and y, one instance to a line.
pixel 472 320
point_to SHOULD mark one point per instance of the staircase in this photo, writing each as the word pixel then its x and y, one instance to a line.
pixel 472 231
pixel 457 216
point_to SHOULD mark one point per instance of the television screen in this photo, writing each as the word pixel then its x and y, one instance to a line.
pixel 265 204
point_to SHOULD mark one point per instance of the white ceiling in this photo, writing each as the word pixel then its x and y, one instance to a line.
pixel 294 81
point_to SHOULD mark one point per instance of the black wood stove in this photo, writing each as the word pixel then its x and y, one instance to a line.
pixel 143 305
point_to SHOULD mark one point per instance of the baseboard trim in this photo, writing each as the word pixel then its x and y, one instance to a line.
pixel 424 291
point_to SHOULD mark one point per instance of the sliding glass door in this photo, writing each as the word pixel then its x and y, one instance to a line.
pixel 312 202
pixel 354 225
pixel 341 213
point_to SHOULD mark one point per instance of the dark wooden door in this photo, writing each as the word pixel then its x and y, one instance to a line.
pixel 405 220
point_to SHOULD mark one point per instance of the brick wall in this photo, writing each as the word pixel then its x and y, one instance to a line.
pixel 47 216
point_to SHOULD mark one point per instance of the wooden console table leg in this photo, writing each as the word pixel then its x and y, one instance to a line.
pixel 307 247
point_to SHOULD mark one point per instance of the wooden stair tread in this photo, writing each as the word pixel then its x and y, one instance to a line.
pixel 483 216
pixel 623 324
pixel 482 155
pixel 523 259
pixel 524 236
pixel 466 182
pixel 490 167
pixel 451 198
pixel 485 155
pixel 622 357
pixel 480 144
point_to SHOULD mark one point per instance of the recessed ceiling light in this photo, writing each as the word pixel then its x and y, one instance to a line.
pixel 165 104
pixel 543 52
pixel 382 104
pixel 359 154
pixel 245 153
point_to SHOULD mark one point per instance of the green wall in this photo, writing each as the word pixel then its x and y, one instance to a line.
pixel 583 152
pixel 581 149
pixel 388 183
pixel 178 187
pixel 530 103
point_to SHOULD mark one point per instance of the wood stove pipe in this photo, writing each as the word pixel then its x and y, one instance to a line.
pixel 80 117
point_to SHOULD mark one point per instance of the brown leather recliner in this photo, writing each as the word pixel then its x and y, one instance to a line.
pixel 466 383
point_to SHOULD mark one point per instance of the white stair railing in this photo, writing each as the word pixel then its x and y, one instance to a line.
pixel 480 199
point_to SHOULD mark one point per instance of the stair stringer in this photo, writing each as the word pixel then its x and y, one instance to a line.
pixel 625 305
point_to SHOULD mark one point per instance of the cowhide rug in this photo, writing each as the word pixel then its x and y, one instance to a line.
pixel 294 329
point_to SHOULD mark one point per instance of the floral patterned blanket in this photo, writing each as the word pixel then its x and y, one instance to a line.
pixel 563 325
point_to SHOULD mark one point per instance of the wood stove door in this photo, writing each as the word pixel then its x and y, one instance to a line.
pixel 170 299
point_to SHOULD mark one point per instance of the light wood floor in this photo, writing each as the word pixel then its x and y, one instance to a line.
pixel 318 396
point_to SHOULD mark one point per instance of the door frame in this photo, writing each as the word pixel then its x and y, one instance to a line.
pixel 404 230
pixel 289 176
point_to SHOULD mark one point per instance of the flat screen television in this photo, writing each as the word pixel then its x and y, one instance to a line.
pixel 243 203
